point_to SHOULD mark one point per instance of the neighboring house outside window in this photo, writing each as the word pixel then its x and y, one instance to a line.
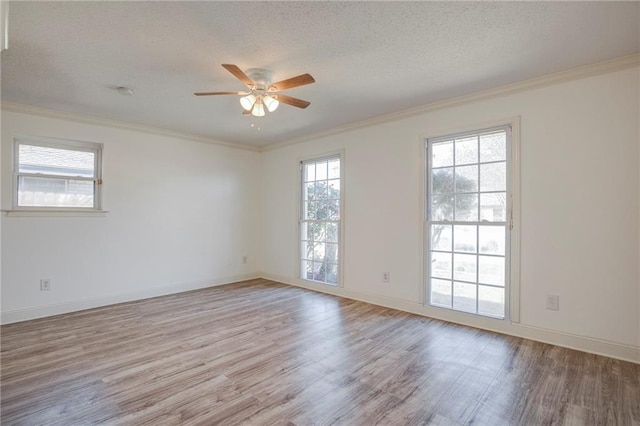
pixel 54 174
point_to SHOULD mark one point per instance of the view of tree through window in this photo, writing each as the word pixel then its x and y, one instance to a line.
pixel 320 220
pixel 468 222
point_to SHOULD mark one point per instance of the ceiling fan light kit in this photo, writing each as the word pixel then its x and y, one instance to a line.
pixel 262 93
pixel 247 102
pixel 258 109
pixel 271 103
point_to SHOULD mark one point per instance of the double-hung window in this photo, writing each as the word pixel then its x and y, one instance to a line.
pixel 468 221
pixel 320 219
pixel 52 174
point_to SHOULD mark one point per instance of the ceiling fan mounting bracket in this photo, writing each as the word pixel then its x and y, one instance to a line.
pixel 260 76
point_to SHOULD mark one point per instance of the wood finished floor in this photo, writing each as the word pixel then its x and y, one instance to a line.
pixel 263 353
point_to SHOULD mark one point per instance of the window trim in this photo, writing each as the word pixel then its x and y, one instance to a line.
pixel 512 294
pixel 340 154
pixel 58 143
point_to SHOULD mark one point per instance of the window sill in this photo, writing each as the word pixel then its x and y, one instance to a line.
pixel 55 213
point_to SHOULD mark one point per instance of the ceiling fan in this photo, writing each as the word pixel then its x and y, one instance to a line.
pixel 262 92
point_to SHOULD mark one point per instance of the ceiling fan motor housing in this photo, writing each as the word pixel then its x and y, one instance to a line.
pixel 260 76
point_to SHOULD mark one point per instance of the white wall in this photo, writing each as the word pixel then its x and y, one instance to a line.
pixel 579 211
pixel 181 215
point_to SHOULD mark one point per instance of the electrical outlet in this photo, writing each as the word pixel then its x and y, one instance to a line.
pixel 386 277
pixel 45 284
pixel 553 302
pixel 244 260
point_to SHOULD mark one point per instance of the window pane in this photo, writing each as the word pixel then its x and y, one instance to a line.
pixel 55 192
pixel 334 169
pixel 321 170
pixel 318 271
pixel 441 265
pixel 333 207
pixel 442 154
pixel 467 179
pixel 465 238
pixel 318 251
pixel 464 267
pixel 442 207
pixel 334 189
pixel 307 270
pixel 491 301
pixel 322 212
pixel 54 161
pixel 441 237
pixel 332 232
pixel 493 177
pixel 307 250
pixel 491 270
pixel 492 239
pixel 493 147
pixel 493 207
pixel 321 189
pixel 464 297
pixel 442 181
pixel 316 231
pixel 331 274
pixel 441 292
pixel 331 253
pixel 310 210
pixel 309 172
pixel 309 191
pixel 467 207
pixel 467 150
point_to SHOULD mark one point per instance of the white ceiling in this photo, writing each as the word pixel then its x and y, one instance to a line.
pixel 368 58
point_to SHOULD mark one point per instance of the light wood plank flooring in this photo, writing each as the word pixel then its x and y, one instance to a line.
pixel 262 353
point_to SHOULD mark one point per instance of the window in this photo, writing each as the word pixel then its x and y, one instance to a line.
pixel 468 221
pixel 57 174
pixel 320 220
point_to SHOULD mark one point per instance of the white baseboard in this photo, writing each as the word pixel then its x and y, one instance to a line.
pixel 17 315
pixel 558 338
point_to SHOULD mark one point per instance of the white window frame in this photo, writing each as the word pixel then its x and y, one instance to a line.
pixel 300 200
pixel 512 250
pixel 72 145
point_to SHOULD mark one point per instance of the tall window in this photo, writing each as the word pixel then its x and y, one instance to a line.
pixel 320 220
pixel 57 174
pixel 468 195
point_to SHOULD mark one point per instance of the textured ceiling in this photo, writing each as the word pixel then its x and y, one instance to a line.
pixel 368 58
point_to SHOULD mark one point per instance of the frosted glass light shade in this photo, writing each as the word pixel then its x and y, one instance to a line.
pixel 258 110
pixel 271 103
pixel 247 102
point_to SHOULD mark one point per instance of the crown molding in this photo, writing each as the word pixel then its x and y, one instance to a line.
pixel 585 71
pixel 89 119
pixel 598 68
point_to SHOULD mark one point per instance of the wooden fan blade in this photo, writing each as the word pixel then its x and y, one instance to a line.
pixel 217 93
pixel 292 101
pixel 239 74
pixel 289 83
pixel 245 112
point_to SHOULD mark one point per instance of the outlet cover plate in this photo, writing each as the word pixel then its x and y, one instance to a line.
pixel 553 302
pixel 45 284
